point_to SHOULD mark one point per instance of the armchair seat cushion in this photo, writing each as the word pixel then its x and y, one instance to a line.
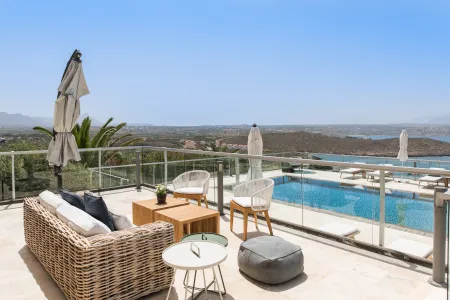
pixel 189 190
pixel 247 201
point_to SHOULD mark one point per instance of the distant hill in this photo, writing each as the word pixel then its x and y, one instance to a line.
pixel 314 142
pixel 18 120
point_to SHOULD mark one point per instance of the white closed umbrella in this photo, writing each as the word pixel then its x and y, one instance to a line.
pixel 254 147
pixel 403 152
pixel 63 146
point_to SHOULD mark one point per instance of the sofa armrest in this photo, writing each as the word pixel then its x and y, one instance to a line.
pixel 126 264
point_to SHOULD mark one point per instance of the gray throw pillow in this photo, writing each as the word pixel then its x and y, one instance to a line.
pixel 96 207
pixel 73 199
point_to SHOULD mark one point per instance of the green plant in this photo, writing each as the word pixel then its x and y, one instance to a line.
pixel 161 190
pixel 106 136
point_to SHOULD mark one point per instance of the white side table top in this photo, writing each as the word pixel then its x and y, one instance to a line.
pixel 180 256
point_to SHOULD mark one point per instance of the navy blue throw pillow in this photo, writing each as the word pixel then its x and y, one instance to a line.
pixel 73 199
pixel 96 207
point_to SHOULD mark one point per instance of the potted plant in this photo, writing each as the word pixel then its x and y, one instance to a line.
pixel 161 193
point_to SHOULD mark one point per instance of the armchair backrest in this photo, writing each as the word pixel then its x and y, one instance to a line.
pixel 196 178
pixel 260 191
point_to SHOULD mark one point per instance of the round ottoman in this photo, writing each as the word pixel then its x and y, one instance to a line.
pixel 270 259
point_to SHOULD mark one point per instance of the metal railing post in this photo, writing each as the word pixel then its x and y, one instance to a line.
pixel 13 177
pixel 382 208
pixel 99 171
pixel 165 167
pixel 138 170
pixel 153 171
pixel 236 166
pixel 438 275
pixel 220 187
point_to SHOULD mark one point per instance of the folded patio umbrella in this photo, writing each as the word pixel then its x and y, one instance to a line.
pixel 255 147
pixel 63 146
pixel 403 152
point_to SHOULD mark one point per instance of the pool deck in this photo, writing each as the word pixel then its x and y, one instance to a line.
pixel 369 231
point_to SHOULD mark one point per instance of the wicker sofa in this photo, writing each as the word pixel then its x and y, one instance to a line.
pixel 124 264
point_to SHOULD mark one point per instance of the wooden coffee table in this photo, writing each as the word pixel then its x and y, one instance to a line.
pixel 190 219
pixel 144 210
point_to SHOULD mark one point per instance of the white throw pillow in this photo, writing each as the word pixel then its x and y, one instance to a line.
pixel 50 201
pixel 80 221
pixel 121 221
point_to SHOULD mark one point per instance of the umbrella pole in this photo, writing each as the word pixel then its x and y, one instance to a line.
pixel 58 174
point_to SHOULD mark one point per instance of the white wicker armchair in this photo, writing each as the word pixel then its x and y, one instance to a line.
pixel 192 185
pixel 252 197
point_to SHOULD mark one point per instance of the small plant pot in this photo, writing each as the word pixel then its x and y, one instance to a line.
pixel 161 199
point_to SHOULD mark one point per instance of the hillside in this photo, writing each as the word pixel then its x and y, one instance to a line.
pixel 313 142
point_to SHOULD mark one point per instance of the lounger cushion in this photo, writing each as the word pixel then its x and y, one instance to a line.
pixel 430 178
pixel 50 201
pixel 350 170
pixel 270 259
pixel 339 229
pixel 189 190
pixel 411 247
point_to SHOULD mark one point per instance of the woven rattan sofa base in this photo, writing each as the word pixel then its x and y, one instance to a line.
pixel 124 264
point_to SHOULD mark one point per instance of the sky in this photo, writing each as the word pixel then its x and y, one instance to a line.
pixel 231 62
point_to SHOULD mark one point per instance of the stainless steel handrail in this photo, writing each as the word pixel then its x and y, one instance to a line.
pixel 266 158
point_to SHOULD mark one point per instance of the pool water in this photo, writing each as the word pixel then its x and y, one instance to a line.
pixel 400 207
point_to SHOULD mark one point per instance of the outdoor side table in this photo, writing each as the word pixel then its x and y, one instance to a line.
pixel 195 256
pixel 212 237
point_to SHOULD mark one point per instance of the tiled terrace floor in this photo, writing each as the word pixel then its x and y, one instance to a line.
pixel 332 271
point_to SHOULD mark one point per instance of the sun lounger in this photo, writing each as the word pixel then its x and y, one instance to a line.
pixel 352 171
pixel 341 229
pixel 432 178
pixel 407 246
pixel 376 173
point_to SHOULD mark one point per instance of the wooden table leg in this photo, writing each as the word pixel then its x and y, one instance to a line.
pixel 446 182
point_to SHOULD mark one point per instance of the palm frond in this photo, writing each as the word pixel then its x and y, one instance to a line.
pixel 43 130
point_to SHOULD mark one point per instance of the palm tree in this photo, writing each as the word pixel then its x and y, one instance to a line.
pixel 105 137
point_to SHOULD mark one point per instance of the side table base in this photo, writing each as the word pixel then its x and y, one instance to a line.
pixel 203 289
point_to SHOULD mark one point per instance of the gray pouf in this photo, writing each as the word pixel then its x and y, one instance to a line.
pixel 270 259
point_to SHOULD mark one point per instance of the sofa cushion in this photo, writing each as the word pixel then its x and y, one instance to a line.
pixel 121 221
pixel 96 207
pixel 80 221
pixel 73 199
pixel 50 201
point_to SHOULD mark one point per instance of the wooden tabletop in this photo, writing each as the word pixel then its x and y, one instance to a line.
pixel 153 203
pixel 186 214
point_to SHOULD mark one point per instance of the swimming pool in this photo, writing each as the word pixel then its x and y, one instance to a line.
pixel 401 209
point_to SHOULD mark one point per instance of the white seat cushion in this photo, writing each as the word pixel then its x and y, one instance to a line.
pixel 430 178
pixel 411 247
pixel 190 190
pixel 50 201
pixel 339 229
pixel 80 221
pixel 247 202
pixel 350 170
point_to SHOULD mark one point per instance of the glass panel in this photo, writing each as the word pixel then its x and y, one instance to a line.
pixel 33 175
pixel 152 167
pixel 118 168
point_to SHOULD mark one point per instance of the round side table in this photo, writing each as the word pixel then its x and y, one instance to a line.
pixel 212 237
pixel 195 256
